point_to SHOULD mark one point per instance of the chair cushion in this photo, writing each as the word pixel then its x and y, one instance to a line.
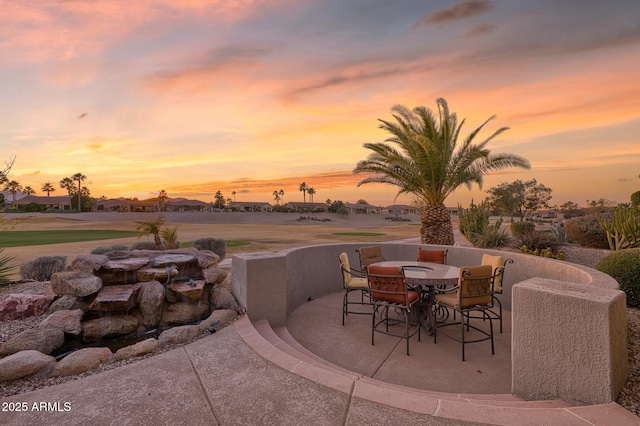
pixel 358 283
pixel 433 256
pixel 346 268
pixel 369 255
pixel 474 280
pixel 390 285
pixel 495 262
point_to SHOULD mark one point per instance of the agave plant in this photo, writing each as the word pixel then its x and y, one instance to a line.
pixel 6 268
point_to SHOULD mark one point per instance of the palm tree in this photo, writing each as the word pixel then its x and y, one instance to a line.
pixel 151 227
pixel 276 197
pixel 68 184
pixel 311 192
pixel 79 177
pixel 162 199
pixel 431 163
pixel 13 186
pixel 219 199
pixel 28 190
pixel 281 194
pixel 48 188
pixel 303 189
pixel 234 196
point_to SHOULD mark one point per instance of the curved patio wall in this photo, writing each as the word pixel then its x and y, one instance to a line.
pixel 568 321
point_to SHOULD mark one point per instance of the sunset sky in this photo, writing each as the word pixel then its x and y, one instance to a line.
pixel 252 96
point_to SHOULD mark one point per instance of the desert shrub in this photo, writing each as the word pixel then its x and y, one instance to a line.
pixel 41 268
pixel 144 245
pixel 624 267
pixel 216 245
pixel 519 228
pixel 587 232
pixel 536 241
pixel 107 249
pixel 170 237
pixel 493 236
pixel 32 207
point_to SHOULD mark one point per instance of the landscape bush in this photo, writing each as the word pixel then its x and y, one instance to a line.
pixel 107 249
pixel 587 232
pixel 41 268
pixel 216 245
pixel 519 228
pixel 536 241
pixel 144 245
pixel 624 267
pixel 492 236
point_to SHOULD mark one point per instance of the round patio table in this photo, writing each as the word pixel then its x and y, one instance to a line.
pixel 426 277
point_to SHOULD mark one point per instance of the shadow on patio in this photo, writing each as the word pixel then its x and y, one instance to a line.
pixel 317 325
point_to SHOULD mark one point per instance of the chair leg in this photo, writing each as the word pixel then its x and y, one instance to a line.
pixel 462 329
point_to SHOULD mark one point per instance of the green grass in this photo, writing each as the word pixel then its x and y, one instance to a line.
pixel 36 238
pixel 359 234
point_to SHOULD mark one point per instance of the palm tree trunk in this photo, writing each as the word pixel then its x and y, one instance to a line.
pixel 436 225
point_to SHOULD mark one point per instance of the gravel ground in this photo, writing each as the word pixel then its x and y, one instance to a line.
pixel 629 398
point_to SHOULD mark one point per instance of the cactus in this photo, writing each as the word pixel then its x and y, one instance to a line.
pixel 624 230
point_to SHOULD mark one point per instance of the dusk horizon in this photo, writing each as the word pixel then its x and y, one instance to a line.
pixel 259 96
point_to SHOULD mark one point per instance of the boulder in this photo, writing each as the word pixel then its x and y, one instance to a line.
pixel 184 313
pixel 190 291
pixel 43 339
pixel 68 303
pixel 116 298
pixel 214 275
pixel 65 320
pixel 157 274
pixel 122 271
pixel 207 258
pixel 223 316
pixel 222 298
pixel 186 263
pixel 140 348
pixel 112 325
pixel 18 306
pixel 75 283
pixel 80 361
pixel 88 262
pixel 182 334
pixel 23 364
pixel 150 301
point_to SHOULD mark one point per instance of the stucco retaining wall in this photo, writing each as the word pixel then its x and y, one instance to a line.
pixel 563 314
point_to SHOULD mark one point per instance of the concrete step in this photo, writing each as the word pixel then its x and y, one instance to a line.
pixel 499 409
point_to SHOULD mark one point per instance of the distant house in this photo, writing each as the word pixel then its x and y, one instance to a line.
pixel 306 207
pixel 45 203
pixel 362 208
pixel 402 209
pixel 250 206
pixel 126 205
pixel 185 205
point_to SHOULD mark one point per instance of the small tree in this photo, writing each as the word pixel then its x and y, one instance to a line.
pixel 170 237
pixel 219 199
pixel 519 198
pixel 151 227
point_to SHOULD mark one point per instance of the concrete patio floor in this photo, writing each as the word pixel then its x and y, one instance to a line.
pixel 317 325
